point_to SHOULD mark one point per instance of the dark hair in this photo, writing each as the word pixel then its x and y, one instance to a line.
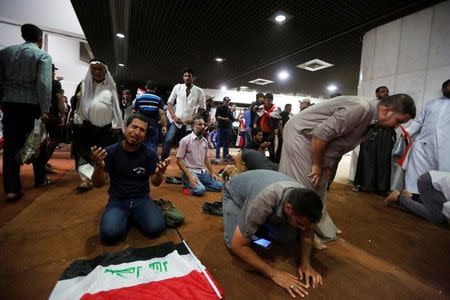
pixel 138 116
pixel 287 105
pixel 400 103
pixel 31 33
pixel 268 96
pixel 447 82
pixel 150 85
pixel 381 87
pixel 255 131
pixel 306 203
pixel 259 95
pixel 188 70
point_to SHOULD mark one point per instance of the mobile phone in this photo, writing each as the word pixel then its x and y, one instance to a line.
pixel 260 242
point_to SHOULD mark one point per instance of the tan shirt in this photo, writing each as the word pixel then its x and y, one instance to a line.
pixel 342 122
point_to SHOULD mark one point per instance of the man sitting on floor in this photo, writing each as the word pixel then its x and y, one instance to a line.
pixel 261 203
pixel 129 165
pixel 193 160
pixel 257 141
pixel 434 201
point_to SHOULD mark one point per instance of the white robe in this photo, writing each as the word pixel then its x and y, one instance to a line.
pixel 431 142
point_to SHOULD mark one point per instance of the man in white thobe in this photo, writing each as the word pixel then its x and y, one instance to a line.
pixel 431 141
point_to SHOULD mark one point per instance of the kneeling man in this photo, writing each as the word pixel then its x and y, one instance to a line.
pixel 129 164
pixel 193 160
pixel 259 203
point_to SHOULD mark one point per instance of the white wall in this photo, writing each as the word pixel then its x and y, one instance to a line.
pixel 47 14
pixel 63 50
pixel 279 100
pixel 410 55
pixel 58 20
pixel 65 53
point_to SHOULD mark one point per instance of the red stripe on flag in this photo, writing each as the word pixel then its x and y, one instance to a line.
pixel 192 286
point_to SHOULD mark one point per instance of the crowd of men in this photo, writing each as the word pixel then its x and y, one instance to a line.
pixel 274 190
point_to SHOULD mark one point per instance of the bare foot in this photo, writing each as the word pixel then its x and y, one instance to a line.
pixel 392 198
pixel 318 244
pixel 338 231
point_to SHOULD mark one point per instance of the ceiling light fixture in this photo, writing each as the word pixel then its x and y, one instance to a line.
pixel 219 59
pixel 260 81
pixel 332 88
pixel 280 18
pixel 283 75
pixel 121 65
pixel 120 35
pixel 314 65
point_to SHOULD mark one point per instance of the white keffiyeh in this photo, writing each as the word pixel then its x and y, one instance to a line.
pixel 87 96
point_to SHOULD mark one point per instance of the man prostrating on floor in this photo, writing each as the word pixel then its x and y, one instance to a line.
pixel 268 204
pixel 193 160
pixel 129 164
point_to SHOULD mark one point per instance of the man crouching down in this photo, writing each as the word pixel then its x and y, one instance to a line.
pixel 261 203
pixel 129 164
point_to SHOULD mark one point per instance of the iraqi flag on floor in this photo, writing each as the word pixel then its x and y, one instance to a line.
pixel 165 271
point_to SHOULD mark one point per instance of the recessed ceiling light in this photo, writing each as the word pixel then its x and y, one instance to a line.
pixel 219 59
pixel 120 35
pixel 280 18
pixel 332 88
pixel 260 81
pixel 223 88
pixel 314 65
pixel 283 75
pixel 121 65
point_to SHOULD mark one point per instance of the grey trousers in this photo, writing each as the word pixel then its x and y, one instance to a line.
pixel 431 201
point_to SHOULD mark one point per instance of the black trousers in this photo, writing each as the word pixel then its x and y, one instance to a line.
pixel 18 122
pixel 88 135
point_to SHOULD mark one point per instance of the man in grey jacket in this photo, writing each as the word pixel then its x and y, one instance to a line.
pixel 25 89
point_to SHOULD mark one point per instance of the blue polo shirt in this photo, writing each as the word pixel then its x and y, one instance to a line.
pixel 149 105
pixel 130 171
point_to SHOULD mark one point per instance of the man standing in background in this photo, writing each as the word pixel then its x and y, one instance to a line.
pixel 25 89
pixel 431 143
pixel 188 99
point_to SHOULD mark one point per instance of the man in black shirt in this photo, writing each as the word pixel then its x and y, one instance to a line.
pixel 256 143
pixel 285 114
pixel 224 117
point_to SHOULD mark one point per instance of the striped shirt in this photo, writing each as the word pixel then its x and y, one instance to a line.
pixel 26 75
pixel 149 105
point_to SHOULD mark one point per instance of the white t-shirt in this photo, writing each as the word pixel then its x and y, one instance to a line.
pixel 186 107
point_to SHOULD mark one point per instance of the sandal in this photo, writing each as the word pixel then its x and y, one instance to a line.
pixel 47 182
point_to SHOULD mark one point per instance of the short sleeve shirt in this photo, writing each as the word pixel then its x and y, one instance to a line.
pixel 261 195
pixel 130 171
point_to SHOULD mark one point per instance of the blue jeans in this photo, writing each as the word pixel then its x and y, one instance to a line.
pixel 223 140
pixel 142 210
pixel 206 183
pixel 152 138
pixel 173 134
